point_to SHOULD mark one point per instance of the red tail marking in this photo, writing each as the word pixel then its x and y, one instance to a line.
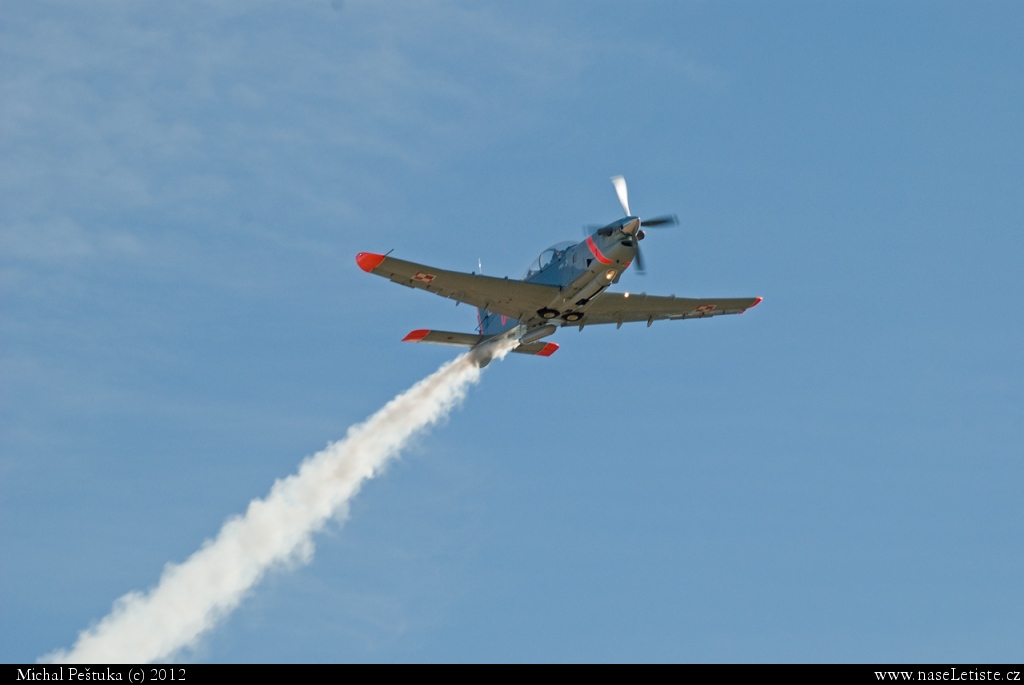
pixel 369 261
pixel 416 336
pixel 548 350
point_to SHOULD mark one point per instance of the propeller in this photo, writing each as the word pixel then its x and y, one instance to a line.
pixel 620 189
pixel 639 257
pixel 660 221
pixel 667 220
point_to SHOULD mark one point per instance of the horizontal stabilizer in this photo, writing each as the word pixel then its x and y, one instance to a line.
pixel 444 338
pixel 541 349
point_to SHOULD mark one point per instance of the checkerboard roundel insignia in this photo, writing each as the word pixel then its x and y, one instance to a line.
pixel 423 277
pixel 705 308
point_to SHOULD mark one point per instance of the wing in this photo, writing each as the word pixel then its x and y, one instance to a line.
pixel 620 308
pixel 517 299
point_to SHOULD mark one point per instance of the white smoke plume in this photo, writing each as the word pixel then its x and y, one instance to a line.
pixel 193 596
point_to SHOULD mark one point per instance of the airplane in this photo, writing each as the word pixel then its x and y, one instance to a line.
pixel 565 286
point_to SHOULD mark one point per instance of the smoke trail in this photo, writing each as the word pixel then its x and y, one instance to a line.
pixel 193 596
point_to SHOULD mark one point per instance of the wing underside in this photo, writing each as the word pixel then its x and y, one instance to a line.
pixel 521 300
pixel 517 299
pixel 619 308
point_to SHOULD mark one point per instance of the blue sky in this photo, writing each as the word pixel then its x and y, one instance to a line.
pixel 834 476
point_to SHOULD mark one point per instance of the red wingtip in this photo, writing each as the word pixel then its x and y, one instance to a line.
pixel 369 261
pixel 416 336
pixel 548 350
pixel 756 302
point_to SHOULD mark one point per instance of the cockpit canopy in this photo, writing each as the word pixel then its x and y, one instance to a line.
pixel 549 255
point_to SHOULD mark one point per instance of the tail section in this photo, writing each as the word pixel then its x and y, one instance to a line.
pixel 541 349
pixel 491 324
pixel 444 338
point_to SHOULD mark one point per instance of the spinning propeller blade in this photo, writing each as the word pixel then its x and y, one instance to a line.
pixel 669 220
pixel 639 258
pixel 620 190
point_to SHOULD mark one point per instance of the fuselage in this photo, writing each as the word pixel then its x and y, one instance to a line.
pixel 580 271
